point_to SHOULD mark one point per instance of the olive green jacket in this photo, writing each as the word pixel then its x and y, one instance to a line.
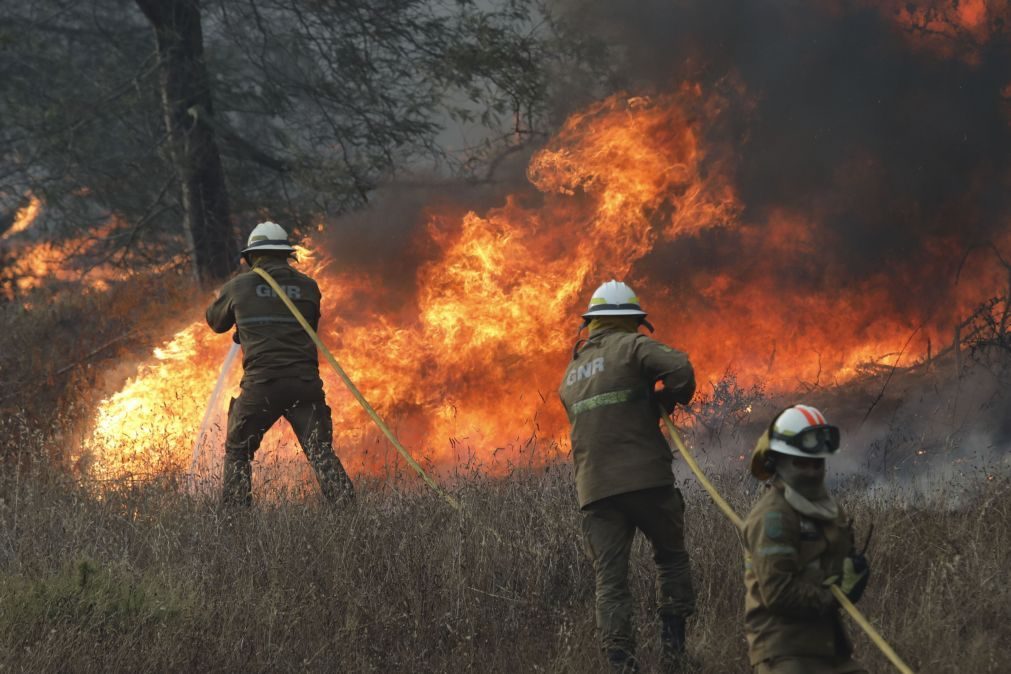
pixel 788 610
pixel 617 446
pixel 273 343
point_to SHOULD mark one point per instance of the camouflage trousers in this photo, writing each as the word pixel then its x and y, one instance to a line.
pixel 258 407
pixel 609 527
pixel 788 665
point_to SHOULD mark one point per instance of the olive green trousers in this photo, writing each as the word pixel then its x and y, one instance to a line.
pixel 609 526
pixel 258 407
pixel 787 665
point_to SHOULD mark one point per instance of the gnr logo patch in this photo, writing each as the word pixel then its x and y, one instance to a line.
pixel 293 292
pixel 585 371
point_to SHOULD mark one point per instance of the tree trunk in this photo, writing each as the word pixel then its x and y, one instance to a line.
pixel 185 89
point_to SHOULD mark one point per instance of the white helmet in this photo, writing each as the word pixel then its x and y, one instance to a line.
pixel 267 236
pixel 613 298
pixel 800 430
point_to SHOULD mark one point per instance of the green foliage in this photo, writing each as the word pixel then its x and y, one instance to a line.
pixel 314 103
pixel 85 596
pixel 81 116
pixel 349 94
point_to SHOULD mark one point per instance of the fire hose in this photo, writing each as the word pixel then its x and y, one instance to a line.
pixel 722 504
pixel 852 610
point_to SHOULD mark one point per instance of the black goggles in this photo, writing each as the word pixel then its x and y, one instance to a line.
pixel 812 440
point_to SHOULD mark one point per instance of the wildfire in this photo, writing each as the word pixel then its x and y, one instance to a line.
pixel 153 408
pixel 469 366
pixel 36 264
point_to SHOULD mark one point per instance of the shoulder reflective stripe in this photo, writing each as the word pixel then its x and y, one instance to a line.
pixel 265 320
pixel 610 398
pixel 768 550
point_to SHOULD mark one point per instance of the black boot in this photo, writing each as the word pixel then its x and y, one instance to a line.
pixel 672 644
pixel 622 661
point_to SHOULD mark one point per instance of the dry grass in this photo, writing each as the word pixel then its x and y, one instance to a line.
pixel 142 579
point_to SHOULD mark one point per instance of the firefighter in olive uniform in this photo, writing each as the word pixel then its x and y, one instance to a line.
pixel 623 470
pixel 280 368
pixel 798 544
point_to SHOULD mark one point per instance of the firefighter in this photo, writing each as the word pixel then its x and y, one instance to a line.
pixel 280 368
pixel 623 470
pixel 798 545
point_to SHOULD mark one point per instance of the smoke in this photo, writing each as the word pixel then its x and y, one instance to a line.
pixel 942 423
pixel 885 159
pixel 390 239
pixel 860 158
pixel 841 122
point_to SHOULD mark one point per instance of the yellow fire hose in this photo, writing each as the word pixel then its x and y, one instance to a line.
pixel 354 389
pixel 853 611
pixel 843 600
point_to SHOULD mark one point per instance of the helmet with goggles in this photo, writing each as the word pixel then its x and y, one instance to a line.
pixel 800 430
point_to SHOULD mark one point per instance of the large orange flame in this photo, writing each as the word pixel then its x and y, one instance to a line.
pixel 468 368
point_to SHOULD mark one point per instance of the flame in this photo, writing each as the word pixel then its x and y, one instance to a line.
pixel 950 28
pixel 466 369
pixel 37 264
pixel 128 413
pixel 24 217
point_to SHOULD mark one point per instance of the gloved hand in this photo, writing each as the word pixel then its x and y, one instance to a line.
pixel 666 400
pixel 856 572
pixel 235 337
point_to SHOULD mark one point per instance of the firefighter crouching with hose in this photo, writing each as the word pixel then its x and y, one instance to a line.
pixel 798 544
pixel 280 368
pixel 623 469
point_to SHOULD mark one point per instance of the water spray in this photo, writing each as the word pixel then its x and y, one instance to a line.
pixel 212 404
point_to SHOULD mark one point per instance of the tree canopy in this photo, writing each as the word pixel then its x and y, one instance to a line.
pixel 310 104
